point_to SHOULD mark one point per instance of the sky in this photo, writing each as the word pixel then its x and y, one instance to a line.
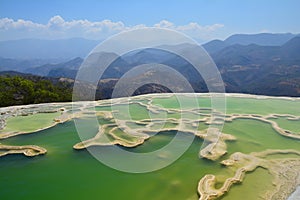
pixel 203 20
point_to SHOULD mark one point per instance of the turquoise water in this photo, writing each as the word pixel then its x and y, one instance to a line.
pixel 65 173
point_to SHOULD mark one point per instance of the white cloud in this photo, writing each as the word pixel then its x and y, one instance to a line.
pixel 264 31
pixel 10 24
pixel 165 24
pixel 57 28
pixel 192 29
pixel 204 32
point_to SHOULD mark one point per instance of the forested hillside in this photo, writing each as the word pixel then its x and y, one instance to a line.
pixel 17 90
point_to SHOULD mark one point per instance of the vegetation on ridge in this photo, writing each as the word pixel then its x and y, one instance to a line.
pixel 17 90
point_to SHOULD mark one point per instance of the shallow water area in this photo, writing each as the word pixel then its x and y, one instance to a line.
pixel 65 173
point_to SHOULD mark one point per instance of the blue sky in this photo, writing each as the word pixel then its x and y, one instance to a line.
pixel 201 19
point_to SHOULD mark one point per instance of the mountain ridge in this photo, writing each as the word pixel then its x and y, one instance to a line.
pixel 252 68
pixel 66 49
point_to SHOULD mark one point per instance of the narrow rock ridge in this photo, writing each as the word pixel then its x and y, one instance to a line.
pixel 285 171
pixel 27 150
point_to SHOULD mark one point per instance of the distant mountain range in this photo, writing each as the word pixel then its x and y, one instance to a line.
pixel 264 63
pixel 261 39
pixel 270 70
pixel 65 69
pixel 66 49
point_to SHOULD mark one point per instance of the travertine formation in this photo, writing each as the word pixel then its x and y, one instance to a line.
pixel 217 146
pixel 286 173
pixel 268 119
pixel 27 110
pixel 123 134
pixel 122 130
pixel 28 150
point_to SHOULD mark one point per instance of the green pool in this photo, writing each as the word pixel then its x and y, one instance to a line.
pixel 65 173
